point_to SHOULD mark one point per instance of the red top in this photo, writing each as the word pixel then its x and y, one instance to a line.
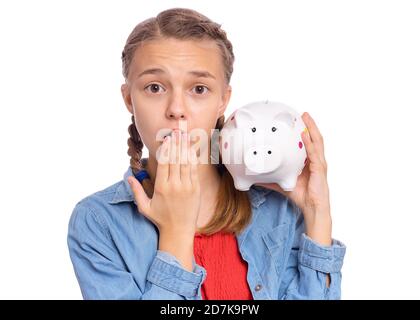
pixel 226 270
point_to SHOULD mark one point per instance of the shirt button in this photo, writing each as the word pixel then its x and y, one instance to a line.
pixel 258 287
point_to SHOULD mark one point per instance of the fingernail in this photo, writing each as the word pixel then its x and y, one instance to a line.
pixel 130 182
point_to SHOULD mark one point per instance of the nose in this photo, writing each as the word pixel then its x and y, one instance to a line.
pixel 176 109
pixel 176 115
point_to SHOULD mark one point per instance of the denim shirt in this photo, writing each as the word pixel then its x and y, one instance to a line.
pixel 114 251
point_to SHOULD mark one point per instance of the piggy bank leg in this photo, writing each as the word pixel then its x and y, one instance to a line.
pixel 289 183
pixel 241 184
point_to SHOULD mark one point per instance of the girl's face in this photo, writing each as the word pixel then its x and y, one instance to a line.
pixel 175 83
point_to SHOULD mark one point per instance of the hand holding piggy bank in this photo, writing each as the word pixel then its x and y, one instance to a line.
pixel 261 143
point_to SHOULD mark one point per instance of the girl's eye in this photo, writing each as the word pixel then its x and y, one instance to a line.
pixel 200 89
pixel 154 87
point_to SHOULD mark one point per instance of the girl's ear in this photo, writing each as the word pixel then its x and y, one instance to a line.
pixel 125 91
pixel 225 100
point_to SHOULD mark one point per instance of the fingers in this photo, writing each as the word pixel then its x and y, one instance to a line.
pixel 162 171
pixel 193 159
pixel 185 166
pixel 313 128
pixel 140 196
pixel 315 138
pixel 174 166
pixel 310 147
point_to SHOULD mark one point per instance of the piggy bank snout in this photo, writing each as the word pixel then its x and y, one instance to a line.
pixel 262 159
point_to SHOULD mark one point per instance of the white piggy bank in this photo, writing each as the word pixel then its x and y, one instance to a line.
pixel 261 143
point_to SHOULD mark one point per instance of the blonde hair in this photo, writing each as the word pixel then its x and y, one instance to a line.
pixel 233 208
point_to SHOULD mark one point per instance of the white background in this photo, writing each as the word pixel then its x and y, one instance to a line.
pixel 354 65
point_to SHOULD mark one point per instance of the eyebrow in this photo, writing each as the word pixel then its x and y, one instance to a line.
pixel 196 73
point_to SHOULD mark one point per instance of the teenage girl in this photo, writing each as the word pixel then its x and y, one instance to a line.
pixel 177 228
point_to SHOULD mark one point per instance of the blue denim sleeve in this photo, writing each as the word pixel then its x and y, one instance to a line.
pixel 101 271
pixel 309 265
pixel 166 273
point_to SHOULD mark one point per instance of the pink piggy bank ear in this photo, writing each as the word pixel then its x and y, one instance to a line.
pixel 286 117
pixel 243 118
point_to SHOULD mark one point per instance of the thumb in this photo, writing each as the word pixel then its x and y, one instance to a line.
pixel 140 196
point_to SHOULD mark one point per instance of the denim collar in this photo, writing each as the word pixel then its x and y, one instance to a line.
pixel 123 192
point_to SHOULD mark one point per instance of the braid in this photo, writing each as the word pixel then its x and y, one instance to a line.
pixel 220 122
pixel 135 147
pixel 215 146
pixel 135 151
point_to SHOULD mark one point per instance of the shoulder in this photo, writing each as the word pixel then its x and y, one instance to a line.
pixel 100 198
pixel 110 213
pixel 90 212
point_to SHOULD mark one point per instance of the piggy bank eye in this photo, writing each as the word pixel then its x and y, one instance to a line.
pixel 254 129
pixel 273 129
